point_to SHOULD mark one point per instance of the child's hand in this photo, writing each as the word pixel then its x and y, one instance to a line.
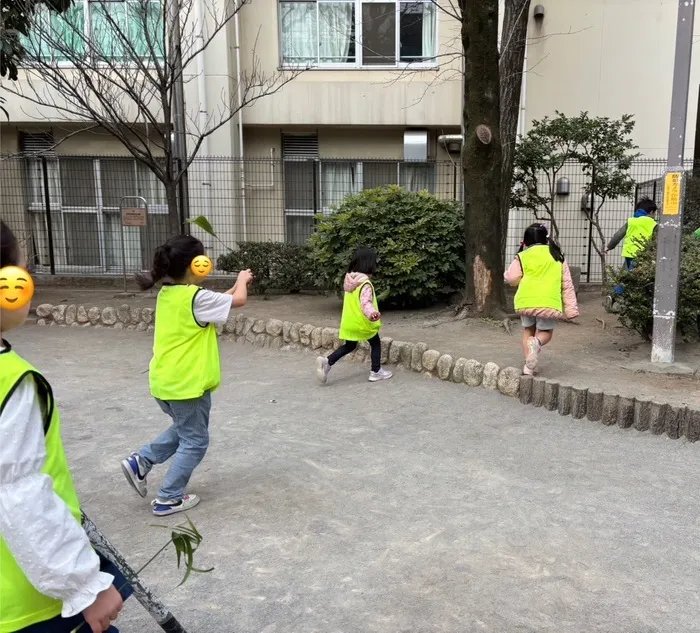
pixel 375 316
pixel 245 276
pixel 105 610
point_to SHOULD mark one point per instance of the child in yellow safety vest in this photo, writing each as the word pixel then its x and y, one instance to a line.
pixel 545 291
pixel 361 318
pixel 636 231
pixel 51 580
pixel 184 370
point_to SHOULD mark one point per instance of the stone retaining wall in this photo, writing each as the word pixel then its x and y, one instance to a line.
pixel 569 400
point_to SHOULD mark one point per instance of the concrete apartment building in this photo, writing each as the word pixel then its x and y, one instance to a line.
pixel 383 85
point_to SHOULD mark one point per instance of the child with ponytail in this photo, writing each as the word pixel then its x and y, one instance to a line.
pixel 184 370
pixel 545 291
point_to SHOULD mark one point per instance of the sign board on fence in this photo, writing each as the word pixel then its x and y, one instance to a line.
pixel 672 193
pixel 133 217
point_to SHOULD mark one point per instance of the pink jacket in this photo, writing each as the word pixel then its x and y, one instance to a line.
pixel 568 294
pixel 352 282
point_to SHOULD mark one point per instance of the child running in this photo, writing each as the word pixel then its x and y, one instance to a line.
pixel 545 291
pixel 184 370
pixel 360 319
pixel 51 579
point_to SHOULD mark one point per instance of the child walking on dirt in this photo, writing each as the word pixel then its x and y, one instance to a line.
pixel 361 319
pixel 51 580
pixel 545 291
pixel 184 370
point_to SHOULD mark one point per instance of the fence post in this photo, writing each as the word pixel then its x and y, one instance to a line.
pixel 47 206
pixel 454 184
pixel 590 227
pixel 183 208
pixel 315 185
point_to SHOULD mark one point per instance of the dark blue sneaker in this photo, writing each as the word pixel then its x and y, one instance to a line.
pixel 135 473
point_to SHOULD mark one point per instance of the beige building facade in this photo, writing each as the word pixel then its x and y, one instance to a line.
pixel 380 85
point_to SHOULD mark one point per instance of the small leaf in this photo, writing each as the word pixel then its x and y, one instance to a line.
pixel 204 224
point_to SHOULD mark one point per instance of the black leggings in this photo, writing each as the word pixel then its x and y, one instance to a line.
pixel 348 347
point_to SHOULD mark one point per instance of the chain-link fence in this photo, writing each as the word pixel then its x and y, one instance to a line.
pixel 97 215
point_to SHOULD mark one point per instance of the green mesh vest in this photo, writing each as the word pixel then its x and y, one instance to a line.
pixel 354 325
pixel 20 603
pixel 541 284
pixel 185 363
pixel 639 230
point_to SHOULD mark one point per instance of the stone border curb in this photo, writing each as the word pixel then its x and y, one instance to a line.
pixel 573 401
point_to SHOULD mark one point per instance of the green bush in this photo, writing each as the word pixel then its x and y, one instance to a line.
pixel 418 237
pixel 636 306
pixel 691 209
pixel 275 265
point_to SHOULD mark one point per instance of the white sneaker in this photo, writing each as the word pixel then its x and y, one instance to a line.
pixel 382 374
pixel 135 473
pixel 533 350
pixel 322 369
pixel 527 371
pixel 163 508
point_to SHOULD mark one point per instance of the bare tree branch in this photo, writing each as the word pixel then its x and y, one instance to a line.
pixel 113 64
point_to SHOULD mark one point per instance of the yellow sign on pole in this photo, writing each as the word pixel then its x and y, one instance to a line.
pixel 672 193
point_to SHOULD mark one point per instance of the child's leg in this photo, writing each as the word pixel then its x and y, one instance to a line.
pixel 164 446
pixel 375 346
pixel 347 348
pixel 545 330
pixel 544 336
pixel 191 419
pixel 529 331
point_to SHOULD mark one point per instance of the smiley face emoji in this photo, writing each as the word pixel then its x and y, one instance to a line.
pixel 16 288
pixel 201 266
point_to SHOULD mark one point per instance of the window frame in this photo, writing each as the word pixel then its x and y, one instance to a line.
pixel 84 5
pixel 358 63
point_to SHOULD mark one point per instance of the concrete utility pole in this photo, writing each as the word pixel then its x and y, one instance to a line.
pixel 670 225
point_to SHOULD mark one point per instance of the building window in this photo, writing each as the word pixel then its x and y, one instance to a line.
pixel 354 33
pixel 85 199
pixel 118 30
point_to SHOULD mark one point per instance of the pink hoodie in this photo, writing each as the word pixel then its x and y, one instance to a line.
pixel 352 282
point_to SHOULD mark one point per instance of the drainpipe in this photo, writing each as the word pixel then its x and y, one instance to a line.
pixel 203 110
pixel 240 117
pixel 522 119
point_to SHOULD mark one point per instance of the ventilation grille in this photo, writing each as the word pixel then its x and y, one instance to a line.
pixel 294 147
pixel 37 143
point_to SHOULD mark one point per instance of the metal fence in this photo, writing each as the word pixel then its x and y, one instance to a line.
pixel 99 215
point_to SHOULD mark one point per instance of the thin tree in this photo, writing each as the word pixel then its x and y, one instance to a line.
pixel 605 153
pixel 15 21
pixel 125 71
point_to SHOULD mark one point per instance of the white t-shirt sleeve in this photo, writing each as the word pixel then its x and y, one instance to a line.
pixel 47 542
pixel 212 307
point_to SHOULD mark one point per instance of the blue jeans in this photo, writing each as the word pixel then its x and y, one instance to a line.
pixel 630 264
pixel 66 625
pixel 187 439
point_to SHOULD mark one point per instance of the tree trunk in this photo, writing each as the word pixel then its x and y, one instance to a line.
pixel 512 60
pixel 173 208
pixel 481 159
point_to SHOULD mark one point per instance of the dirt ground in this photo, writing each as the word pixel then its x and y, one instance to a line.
pixel 585 354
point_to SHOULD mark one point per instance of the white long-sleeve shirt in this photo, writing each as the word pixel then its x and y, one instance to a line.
pixel 45 539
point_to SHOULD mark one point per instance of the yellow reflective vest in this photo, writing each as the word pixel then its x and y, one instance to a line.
pixel 541 285
pixel 354 325
pixel 185 363
pixel 21 605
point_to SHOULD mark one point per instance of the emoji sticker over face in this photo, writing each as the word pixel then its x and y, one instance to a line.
pixel 201 266
pixel 16 288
